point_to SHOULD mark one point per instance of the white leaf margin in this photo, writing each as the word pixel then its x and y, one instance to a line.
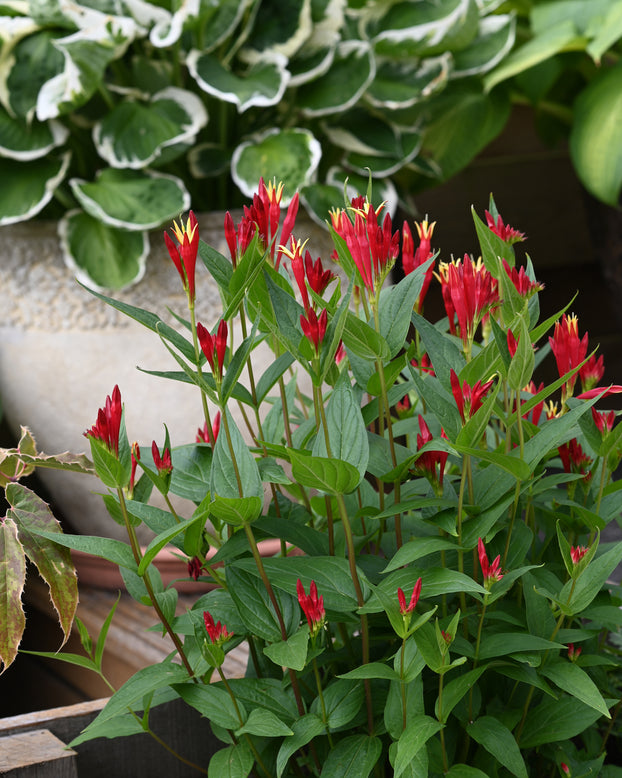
pixel 248 188
pixel 93 208
pixel 79 273
pixel 197 116
pixel 50 186
pixel 257 100
pixel 59 132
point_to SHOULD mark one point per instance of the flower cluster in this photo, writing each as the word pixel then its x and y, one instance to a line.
pixel 389 455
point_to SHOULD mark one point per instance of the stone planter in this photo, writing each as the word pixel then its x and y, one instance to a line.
pixel 63 351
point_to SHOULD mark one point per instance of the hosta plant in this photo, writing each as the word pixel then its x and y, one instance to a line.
pixel 117 115
pixel 443 603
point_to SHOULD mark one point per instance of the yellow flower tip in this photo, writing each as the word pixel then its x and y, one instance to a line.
pixel 425 229
pixel 181 231
pixel 275 191
pixel 297 247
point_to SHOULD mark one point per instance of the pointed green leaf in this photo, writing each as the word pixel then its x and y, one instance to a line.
pixel 12 580
pixel 305 729
pixel 418 731
pixel 332 476
pixel 291 652
pixel 499 741
pixel 264 723
pixel 231 762
pixel 572 679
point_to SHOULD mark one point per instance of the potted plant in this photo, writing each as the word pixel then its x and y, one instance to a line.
pixel 451 609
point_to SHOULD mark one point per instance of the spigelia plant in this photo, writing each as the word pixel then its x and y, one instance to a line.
pixel 442 603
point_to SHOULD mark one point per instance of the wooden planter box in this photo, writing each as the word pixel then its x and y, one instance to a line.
pixel 33 745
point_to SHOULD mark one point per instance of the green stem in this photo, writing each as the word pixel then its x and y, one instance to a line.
pixel 440 718
pixel 156 606
pixel 320 694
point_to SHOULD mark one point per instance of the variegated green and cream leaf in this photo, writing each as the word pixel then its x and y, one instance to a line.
pixel 132 200
pixel 290 156
pixel 401 84
pixel 25 141
pixel 261 85
pixel 27 187
pixel 134 133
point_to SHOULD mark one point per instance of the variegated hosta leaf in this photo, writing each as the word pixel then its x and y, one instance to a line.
pixel 134 134
pixel 424 28
pixel 31 514
pixel 208 159
pixel 27 187
pixel 402 84
pixel 340 88
pixel 281 26
pixel 26 141
pixel 262 84
pixel 168 27
pixel 290 156
pixel 219 21
pixel 405 147
pixel 33 61
pixel 494 40
pixel 307 68
pixel 87 53
pixel 132 200
pixel 102 257
pixel 12 580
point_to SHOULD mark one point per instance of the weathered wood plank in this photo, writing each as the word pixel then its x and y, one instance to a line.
pixel 36 754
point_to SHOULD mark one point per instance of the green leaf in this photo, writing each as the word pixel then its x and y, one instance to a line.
pixel 444 352
pixel 596 136
pixel 54 564
pixel 455 690
pixel 305 729
pixel 260 86
pixel 340 88
pixel 254 605
pixel 290 156
pixel 396 305
pixel 114 550
pixel 539 49
pixel 352 757
pixel 24 141
pixel 342 700
pixel 134 134
pixel 132 200
pixel 102 256
pixel 417 549
pixel 231 762
pixel 464 771
pixel 499 741
pixel 290 653
pixel 12 580
pixel 264 723
pixel 363 340
pixel 555 720
pixel 213 701
pixel 572 679
pixel 332 476
pixel 503 643
pixel 29 186
pixel 346 429
pixel 590 582
pixel 229 465
pixel 418 730
pixel 162 540
pixel 371 670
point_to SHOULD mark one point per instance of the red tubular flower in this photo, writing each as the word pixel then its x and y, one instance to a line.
pixel 603 420
pixel 306 271
pixel 414 598
pixel 312 606
pixel 411 259
pixel 574 459
pixel 490 572
pixel 536 411
pixel 203 433
pixel 577 554
pixel 565 769
pixel 423 365
pixel 265 212
pixel 106 428
pixel 214 346
pixel 184 255
pixel 217 633
pixel 574 652
pixel 504 231
pixel 194 570
pixel 591 372
pixel 431 463
pixel 473 293
pixel 314 328
pixel 524 285
pixel 512 343
pixel 164 463
pixel 469 399
pixel 568 349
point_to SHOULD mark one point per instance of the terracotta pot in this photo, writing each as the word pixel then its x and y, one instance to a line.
pixel 63 351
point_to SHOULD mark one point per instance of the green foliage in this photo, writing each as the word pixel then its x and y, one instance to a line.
pixel 448 607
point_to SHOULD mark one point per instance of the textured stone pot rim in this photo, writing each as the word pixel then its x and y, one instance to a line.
pixel 102 574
